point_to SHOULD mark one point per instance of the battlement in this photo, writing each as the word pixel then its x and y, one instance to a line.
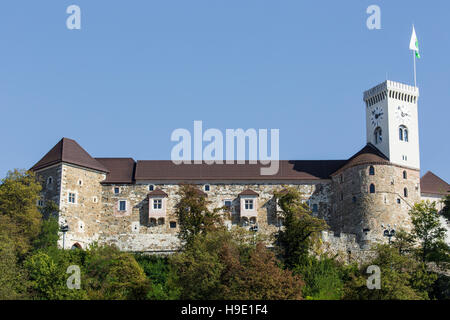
pixel 389 85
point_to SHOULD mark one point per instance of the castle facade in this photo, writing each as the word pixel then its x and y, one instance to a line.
pixel 131 203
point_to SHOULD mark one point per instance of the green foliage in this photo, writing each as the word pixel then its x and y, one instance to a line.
pixel 323 278
pixel 48 237
pixel 19 215
pixel 216 266
pixel 428 232
pixel 300 228
pixel 402 278
pixel 194 216
pixel 114 275
pixel 157 269
pixel 12 275
pixel 446 210
pixel 48 279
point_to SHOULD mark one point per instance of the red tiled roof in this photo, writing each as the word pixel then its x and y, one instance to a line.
pixel 432 184
pixel 148 170
pixel 157 193
pixel 248 192
pixel 121 170
pixel 69 151
pixel 367 155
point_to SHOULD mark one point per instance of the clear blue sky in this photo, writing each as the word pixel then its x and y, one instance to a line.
pixel 139 69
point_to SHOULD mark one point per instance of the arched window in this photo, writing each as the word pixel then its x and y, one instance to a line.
pixel 372 188
pixel 378 135
pixel 403 133
pixel 76 246
pixel 371 171
pixel 405 192
pixel 405 175
pixel 49 180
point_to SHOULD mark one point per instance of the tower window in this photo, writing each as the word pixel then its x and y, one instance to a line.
pixel 372 188
pixel 315 207
pixel 378 135
pixel 342 196
pixel 173 224
pixel 354 199
pixel 398 201
pixel 405 175
pixel 371 171
pixel 72 197
pixel 49 180
pixel 403 133
pixel 405 192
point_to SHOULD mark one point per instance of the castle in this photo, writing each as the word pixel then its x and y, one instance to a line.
pixel 131 203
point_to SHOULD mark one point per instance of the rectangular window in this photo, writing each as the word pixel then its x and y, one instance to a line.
pixel 122 205
pixel 248 204
pixel 227 204
pixel 72 197
pixel 116 190
pixel 157 204
pixel 173 224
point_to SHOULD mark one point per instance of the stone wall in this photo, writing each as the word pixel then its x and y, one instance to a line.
pixel 358 211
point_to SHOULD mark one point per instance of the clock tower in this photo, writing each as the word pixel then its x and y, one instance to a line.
pixel 392 122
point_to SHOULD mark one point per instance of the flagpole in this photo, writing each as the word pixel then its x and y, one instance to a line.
pixel 415 74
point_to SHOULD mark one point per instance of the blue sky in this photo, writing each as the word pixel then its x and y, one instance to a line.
pixel 137 70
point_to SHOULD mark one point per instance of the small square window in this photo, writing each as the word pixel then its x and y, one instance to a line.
pixel 72 197
pixel 173 224
pixel 122 205
pixel 151 187
pixel 116 190
pixel 227 204
pixel 248 204
pixel 157 204
pixel 207 187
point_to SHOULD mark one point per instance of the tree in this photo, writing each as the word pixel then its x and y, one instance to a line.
pixel 12 276
pixel 19 214
pixel 114 275
pixel 300 228
pixel 427 230
pixel 48 236
pixel 446 210
pixel 217 266
pixel 402 278
pixel 194 216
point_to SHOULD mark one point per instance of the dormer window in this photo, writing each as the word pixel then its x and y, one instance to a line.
pixel 157 204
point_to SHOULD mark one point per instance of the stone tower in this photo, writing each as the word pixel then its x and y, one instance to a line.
pixel 378 185
pixel 392 122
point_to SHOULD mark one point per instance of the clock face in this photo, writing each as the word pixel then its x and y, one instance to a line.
pixel 403 114
pixel 376 116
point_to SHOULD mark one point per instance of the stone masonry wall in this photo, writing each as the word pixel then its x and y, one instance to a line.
pixel 358 211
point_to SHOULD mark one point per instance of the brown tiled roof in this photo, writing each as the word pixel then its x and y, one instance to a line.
pixel 157 193
pixel 248 192
pixel 121 170
pixel 148 170
pixel 432 184
pixel 367 155
pixel 69 151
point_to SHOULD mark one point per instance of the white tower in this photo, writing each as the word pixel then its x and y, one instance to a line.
pixel 392 122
